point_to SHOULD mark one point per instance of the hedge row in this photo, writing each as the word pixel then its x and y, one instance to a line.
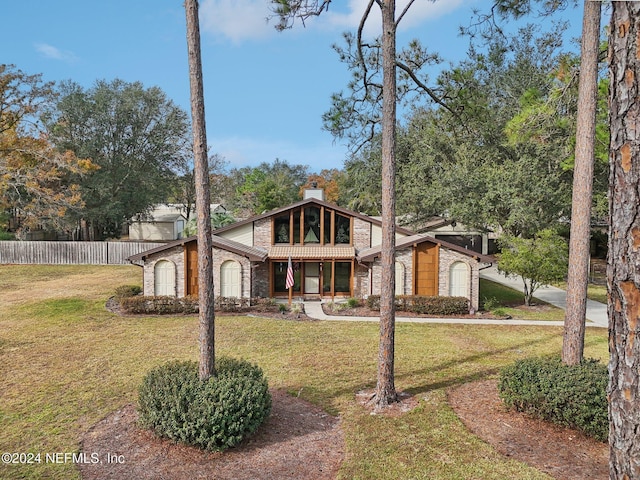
pixel 425 304
pixel 215 414
pixel 187 305
pixel 572 396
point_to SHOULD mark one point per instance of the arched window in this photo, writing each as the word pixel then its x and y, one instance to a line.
pixel 164 273
pixel 459 280
pixel 230 284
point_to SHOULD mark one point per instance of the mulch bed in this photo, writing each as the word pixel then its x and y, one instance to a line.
pixel 563 453
pixel 298 441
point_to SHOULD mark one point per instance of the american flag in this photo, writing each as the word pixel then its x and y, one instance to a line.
pixel 289 282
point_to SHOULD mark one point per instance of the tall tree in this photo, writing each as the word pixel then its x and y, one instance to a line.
pixel 624 240
pixel 265 187
pixel 203 197
pixel 135 135
pixel 35 178
pixel 360 112
pixel 538 261
pixel 579 240
pixel 385 387
pixel 329 180
pixel 482 164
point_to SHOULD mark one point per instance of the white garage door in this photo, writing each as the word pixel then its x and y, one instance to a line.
pixel 230 279
pixel 164 278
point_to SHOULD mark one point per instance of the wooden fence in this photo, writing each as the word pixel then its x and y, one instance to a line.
pixel 71 253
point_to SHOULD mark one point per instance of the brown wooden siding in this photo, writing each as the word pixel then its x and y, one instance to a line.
pixel 191 268
pixel 426 269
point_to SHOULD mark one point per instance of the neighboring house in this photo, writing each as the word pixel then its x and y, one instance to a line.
pixel 461 235
pixel 165 222
pixel 335 252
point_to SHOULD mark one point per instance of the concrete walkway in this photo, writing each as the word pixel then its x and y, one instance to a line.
pixel 596 312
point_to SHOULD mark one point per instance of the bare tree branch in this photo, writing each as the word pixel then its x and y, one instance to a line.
pixel 426 89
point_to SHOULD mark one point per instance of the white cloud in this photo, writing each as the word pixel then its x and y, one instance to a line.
pixel 420 11
pixel 240 20
pixel 236 20
pixel 54 53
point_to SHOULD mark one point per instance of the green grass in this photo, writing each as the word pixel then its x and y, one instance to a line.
pixel 503 300
pixel 66 362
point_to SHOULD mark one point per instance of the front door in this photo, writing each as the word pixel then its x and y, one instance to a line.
pixel 312 278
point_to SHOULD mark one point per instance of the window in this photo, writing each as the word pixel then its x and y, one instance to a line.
pixel 342 230
pixel 281 229
pixel 311 226
pixel 280 277
pixel 342 282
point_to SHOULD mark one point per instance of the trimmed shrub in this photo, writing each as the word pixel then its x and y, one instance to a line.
pixel 187 305
pixel 423 304
pixel 162 305
pixel 353 302
pixel 572 396
pixel 213 415
pixel 126 291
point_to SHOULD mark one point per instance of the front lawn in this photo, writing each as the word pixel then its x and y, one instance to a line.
pixel 504 301
pixel 66 362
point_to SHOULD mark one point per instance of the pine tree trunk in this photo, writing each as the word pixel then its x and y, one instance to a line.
pixel 385 388
pixel 624 242
pixel 578 276
pixel 203 197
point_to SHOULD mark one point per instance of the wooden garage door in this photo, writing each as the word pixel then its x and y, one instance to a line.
pixel 426 269
pixel 191 268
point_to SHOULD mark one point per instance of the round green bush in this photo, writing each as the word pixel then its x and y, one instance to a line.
pixel 215 414
pixel 572 396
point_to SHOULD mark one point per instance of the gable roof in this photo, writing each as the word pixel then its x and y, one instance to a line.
pixel 316 201
pixel 255 254
pixel 370 254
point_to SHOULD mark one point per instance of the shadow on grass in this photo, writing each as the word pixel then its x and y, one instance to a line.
pixel 452 380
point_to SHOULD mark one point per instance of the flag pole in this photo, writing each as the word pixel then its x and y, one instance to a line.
pixel 289 281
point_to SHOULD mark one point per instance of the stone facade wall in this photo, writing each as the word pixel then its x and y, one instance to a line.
pixel 361 234
pixel 175 256
pixel 404 257
pixel 260 279
pixel 361 281
pixel 447 259
pixel 221 256
pixel 262 233
pixel 371 281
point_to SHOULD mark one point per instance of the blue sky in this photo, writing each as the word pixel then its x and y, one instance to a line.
pixel 264 91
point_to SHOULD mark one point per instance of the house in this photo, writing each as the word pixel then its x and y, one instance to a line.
pixel 454 232
pixel 165 222
pixel 335 253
